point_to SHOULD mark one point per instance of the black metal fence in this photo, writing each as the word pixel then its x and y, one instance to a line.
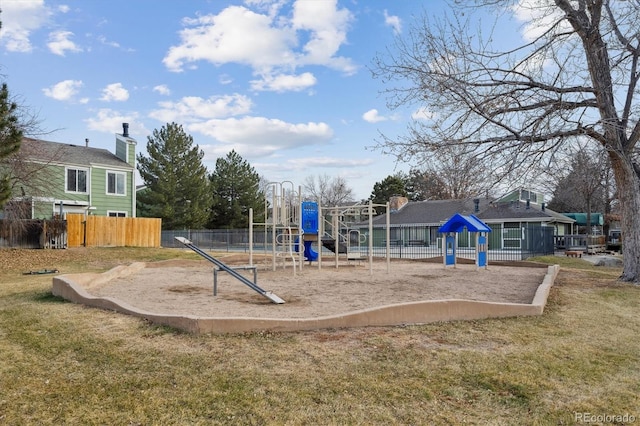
pixel 213 239
pixel 408 242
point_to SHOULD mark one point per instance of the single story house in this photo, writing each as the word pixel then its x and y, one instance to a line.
pixel 512 220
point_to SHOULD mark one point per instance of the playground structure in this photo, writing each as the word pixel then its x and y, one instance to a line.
pixel 290 221
pixel 294 226
pixel 452 227
pixel 414 308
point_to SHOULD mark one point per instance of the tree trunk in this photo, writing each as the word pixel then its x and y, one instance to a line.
pixel 589 228
pixel 628 184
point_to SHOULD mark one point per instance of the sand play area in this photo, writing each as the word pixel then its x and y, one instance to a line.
pixel 181 291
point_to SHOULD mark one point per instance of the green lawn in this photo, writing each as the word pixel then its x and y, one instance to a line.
pixel 62 363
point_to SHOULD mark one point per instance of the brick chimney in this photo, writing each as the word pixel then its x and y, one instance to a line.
pixel 397 202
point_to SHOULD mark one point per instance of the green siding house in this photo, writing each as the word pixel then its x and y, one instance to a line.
pixel 68 178
pixel 418 222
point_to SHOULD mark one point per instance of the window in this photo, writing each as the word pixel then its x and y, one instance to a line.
pixel 512 235
pixel 116 183
pixel 117 214
pixel 76 180
pixel 528 195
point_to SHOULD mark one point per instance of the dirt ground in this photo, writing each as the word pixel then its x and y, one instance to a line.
pixel 185 287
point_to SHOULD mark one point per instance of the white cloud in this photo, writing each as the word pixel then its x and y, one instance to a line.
pixel 237 35
pixel 193 108
pixel 163 89
pixel 110 121
pixel 305 163
pixel 64 90
pixel 272 7
pixel 393 21
pixel 372 116
pixel 59 43
pixel 260 136
pixel 423 114
pixel 538 16
pixel 19 19
pixel 102 39
pixel 225 79
pixel 64 8
pixel 328 28
pixel 268 43
pixel 114 92
pixel 332 162
pixel 224 118
pixel 285 82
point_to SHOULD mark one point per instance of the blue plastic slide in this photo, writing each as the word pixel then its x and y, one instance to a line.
pixel 309 254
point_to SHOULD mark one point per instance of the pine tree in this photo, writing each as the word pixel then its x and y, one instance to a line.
pixel 177 188
pixel 235 186
pixel 392 185
pixel 10 138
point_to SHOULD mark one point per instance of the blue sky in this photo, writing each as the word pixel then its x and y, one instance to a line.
pixel 284 83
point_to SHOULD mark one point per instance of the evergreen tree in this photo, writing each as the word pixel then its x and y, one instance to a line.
pixel 391 186
pixel 177 189
pixel 10 138
pixel 235 186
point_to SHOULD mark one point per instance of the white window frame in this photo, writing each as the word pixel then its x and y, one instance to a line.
pixel 66 180
pixel 116 213
pixel 512 234
pixel 124 185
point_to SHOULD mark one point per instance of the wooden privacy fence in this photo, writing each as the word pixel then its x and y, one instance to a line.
pixel 104 231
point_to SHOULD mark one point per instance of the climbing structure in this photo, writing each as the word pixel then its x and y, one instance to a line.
pixel 282 225
pixel 291 227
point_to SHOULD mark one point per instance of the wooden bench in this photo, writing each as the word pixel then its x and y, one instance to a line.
pixel 573 253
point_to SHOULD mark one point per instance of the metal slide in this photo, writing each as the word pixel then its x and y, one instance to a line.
pixel 230 271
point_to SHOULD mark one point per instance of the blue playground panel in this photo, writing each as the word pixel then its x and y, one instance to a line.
pixel 310 217
pixel 482 251
pixel 450 250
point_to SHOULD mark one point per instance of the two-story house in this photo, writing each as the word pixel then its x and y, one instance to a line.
pixel 63 178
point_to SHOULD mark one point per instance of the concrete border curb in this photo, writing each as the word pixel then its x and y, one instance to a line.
pixel 72 287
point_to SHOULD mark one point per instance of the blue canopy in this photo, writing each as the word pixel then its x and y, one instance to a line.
pixel 457 222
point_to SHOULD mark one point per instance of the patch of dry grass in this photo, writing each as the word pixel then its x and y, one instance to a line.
pixel 66 364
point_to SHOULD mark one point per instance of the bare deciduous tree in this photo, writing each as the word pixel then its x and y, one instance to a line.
pixel 583 187
pixel 425 185
pixel 30 177
pixel 328 191
pixel 574 79
pixel 454 172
